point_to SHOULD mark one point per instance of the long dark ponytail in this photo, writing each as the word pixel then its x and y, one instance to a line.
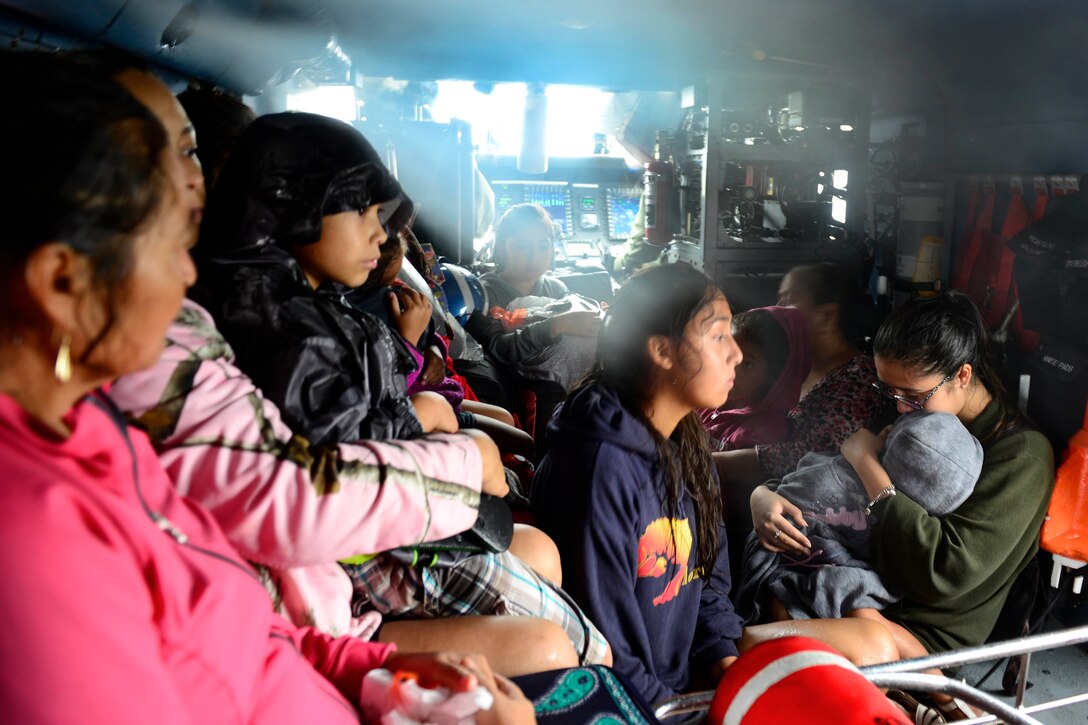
pixel 936 335
pixel 662 301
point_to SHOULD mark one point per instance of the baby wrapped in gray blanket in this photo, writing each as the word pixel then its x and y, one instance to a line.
pixel 930 457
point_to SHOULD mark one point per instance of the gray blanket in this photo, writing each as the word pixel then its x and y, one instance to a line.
pixel 568 359
pixel 930 457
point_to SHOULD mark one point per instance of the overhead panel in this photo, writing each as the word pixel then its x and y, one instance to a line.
pixel 241 44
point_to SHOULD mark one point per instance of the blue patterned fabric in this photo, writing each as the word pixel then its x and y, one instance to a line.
pixel 593 694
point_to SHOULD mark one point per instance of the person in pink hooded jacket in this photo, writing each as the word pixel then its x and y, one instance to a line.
pixel 123 601
pixel 225 446
pixel 296 508
pixel 777 360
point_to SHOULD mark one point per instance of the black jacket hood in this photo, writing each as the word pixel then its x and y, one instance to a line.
pixel 286 172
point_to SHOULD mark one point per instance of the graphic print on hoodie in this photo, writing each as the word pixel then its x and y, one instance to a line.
pixel 666 541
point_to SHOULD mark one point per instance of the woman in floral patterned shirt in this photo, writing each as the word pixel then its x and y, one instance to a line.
pixel 839 404
pixel 837 398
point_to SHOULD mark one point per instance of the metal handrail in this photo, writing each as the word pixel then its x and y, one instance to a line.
pixel 939 683
pixel 995 651
pixel 684 704
pixel 1031 710
pixel 884 673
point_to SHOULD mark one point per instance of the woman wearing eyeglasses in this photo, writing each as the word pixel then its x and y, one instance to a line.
pixel 956 570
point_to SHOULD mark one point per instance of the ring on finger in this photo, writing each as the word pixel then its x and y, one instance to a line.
pixel 777 534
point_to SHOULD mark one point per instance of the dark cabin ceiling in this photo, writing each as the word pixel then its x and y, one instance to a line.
pixel 631 44
pixel 642 44
pixel 666 44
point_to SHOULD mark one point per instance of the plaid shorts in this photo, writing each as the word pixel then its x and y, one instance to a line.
pixel 499 584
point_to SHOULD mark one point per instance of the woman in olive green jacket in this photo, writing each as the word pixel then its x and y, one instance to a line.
pixel 956 570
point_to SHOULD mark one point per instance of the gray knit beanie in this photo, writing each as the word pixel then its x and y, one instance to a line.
pixel 933 459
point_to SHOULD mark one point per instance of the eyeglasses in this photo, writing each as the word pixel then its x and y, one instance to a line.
pixel 917 404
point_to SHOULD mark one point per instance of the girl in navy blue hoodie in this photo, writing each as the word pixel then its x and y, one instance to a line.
pixel 628 490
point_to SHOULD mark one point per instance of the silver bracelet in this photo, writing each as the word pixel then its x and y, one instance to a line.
pixel 887 492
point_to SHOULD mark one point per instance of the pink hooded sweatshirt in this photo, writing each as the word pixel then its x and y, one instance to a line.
pixel 294 508
pixel 765 421
pixel 124 603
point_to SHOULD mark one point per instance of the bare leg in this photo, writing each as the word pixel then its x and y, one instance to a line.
pixel 908 645
pixel 513 645
pixel 486 409
pixel 862 641
pixel 536 549
pixel 489 584
pixel 508 438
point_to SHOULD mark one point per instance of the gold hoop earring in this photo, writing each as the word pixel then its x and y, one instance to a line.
pixel 62 369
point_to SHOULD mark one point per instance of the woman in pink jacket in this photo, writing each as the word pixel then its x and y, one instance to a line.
pixel 295 508
pixel 123 602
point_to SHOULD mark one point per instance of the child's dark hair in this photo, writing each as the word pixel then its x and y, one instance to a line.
pixel 662 301
pixel 760 328
pixel 219 119
pixel 88 174
pixel 394 245
pixel 935 336
pixel 829 283
pixel 513 221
